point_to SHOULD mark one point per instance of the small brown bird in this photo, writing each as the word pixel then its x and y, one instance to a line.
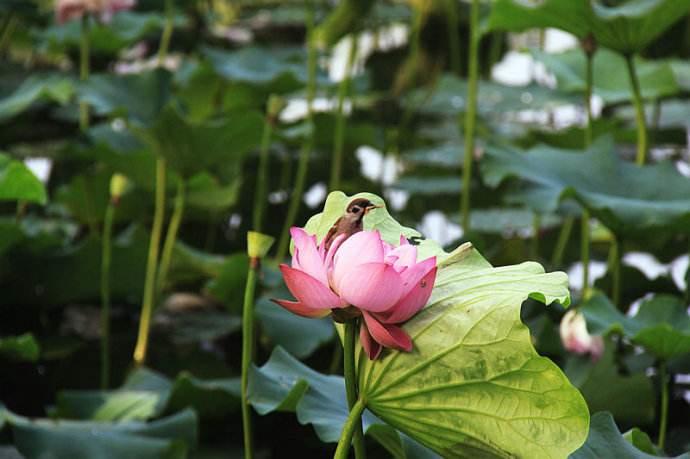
pixel 351 222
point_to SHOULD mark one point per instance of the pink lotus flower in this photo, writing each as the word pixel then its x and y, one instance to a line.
pixel 361 275
pixel 576 338
pixel 66 10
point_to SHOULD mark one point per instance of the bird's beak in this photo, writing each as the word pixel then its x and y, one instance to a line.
pixel 370 208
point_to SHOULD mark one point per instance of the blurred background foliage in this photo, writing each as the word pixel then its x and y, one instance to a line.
pixel 225 108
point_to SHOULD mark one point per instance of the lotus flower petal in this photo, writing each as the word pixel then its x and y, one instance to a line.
pixel 371 347
pixel 411 303
pixel 386 334
pixel 298 308
pixel 360 248
pixel 306 256
pixel 308 290
pixel 372 287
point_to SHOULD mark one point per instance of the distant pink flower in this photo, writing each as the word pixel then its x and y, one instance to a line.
pixel 66 10
pixel 384 284
pixel 576 338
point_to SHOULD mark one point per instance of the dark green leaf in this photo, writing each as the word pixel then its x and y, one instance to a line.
pixel 605 440
pixel 300 336
pixel 18 183
pixel 49 88
pixel 631 203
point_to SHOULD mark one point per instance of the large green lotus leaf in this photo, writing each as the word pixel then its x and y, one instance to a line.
pixel 605 440
pixel 23 347
pixel 286 384
pixel 190 148
pixel 204 191
pixel 300 336
pixel 147 394
pixel 124 29
pixel 626 28
pixel 610 78
pixel 674 113
pixel 639 199
pixel 49 88
pixel 429 185
pixel 378 219
pixel 443 155
pixel 169 437
pixel 279 70
pixel 473 386
pixel 495 100
pixel 140 97
pixel 18 183
pixel 607 389
pixel 661 325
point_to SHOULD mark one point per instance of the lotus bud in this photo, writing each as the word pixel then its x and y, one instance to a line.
pixel 576 338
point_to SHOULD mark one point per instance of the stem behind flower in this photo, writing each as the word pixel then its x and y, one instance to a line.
pixel 84 70
pixel 470 115
pixel 105 294
pixel 247 352
pixel 351 390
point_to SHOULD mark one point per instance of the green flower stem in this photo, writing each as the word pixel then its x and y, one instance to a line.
pixel 262 175
pixel 167 33
pixel 247 353
pixel 534 246
pixel 340 118
pixel 470 115
pixel 615 268
pixel 589 47
pixel 584 252
pixel 588 96
pixel 305 152
pixel 639 112
pixel 350 427
pixel 562 242
pixel 151 265
pixel 664 404
pixel 84 70
pixel 8 27
pixel 453 36
pixel 106 250
pixel 171 235
pixel 351 390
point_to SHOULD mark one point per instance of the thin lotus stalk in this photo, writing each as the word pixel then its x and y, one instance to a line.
pixel 351 387
pixel 470 115
pixel 305 152
pixel 262 175
pixel 663 422
pixel 341 119
pixel 536 227
pixel 8 27
pixel 171 235
pixel 151 266
pixel 584 252
pixel 167 33
pixel 589 47
pixel 258 246
pixel 106 250
pixel 562 241
pixel 641 157
pixel 453 36
pixel 84 66
pixel 353 419
pixel 247 353
pixel 274 106
pixel 615 269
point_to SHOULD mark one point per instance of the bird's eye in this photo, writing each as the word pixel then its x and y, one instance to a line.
pixel 356 209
